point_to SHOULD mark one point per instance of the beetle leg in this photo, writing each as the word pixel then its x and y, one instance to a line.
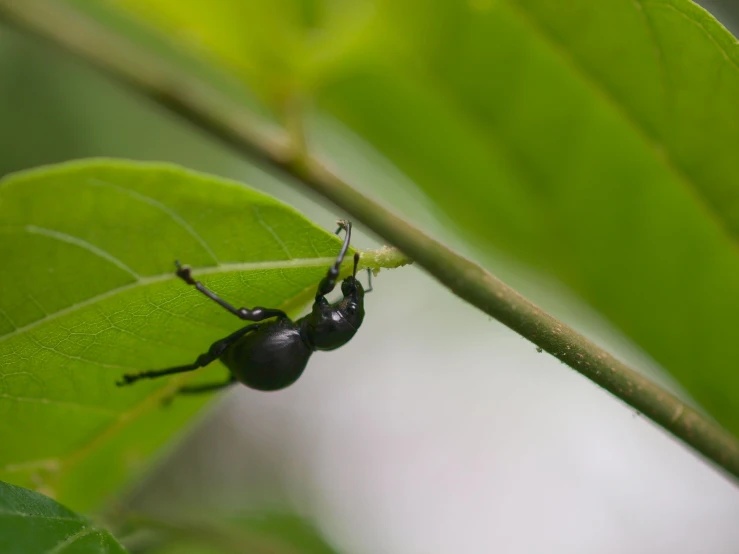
pixel 215 350
pixel 197 389
pixel 369 281
pixel 254 314
pixel 209 387
pixel 328 283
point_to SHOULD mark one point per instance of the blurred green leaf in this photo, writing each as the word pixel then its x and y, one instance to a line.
pixel 31 523
pixel 597 144
pixel 89 293
pixel 273 533
pixel 278 48
pixel 290 529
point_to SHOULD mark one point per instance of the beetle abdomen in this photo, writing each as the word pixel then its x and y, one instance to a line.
pixel 271 358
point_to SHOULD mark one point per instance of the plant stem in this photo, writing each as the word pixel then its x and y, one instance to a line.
pixel 227 121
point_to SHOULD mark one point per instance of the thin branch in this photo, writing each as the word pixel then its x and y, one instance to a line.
pixel 227 121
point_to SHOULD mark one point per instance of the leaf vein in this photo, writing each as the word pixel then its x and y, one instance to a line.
pixel 222 268
pixel 125 418
pixel 72 539
pixel 7 318
pixel 77 241
pixel 39 516
pixel 177 218
pixel 271 231
pixel 95 409
pixel 661 153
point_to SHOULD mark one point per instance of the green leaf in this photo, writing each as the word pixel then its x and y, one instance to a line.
pixel 290 529
pixel 276 533
pixel 596 145
pixel 278 48
pixel 31 523
pixel 89 294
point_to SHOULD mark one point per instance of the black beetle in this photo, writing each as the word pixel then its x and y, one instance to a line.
pixel 272 355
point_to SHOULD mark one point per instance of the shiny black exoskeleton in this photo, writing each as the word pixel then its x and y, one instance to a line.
pixel 272 355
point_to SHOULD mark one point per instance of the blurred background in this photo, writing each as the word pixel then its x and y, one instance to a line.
pixel 436 430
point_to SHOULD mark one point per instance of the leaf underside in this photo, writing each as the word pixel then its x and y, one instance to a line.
pixel 263 532
pixel 31 523
pixel 89 294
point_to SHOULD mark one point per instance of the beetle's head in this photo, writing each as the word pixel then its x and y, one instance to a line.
pixel 351 287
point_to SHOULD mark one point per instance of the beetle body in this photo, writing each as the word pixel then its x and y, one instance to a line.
pixel 273 353
pixel 271 358
pixel 330 326
pixel 274 356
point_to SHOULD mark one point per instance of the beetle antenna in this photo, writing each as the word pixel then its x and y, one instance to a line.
pixel 343 224
pixel 369 280
pixel 328 283
pixel 356 263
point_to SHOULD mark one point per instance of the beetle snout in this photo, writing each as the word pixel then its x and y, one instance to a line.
pixel 350 285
